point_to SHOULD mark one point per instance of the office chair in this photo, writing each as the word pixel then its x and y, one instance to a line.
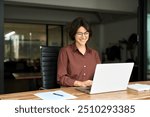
pixel 49 55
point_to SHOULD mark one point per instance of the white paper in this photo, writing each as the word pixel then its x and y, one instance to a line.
pixel 139 87
pixel 55 95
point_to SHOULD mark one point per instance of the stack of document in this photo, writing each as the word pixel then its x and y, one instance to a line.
pixel 55 95
pixel 139 87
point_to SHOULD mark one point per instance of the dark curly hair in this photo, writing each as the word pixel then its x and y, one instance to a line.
pixel 76 24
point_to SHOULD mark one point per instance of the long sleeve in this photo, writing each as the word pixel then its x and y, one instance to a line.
pixel 62 73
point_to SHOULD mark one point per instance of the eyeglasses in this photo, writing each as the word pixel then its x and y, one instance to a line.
pixel 81 34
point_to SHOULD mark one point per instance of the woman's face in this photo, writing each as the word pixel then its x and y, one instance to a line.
pixel 81 36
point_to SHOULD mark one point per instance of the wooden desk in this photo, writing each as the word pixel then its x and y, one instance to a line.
pixel 19 76
pixel 31 77
pixel 119 95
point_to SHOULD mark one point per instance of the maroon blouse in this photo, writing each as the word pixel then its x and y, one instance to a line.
pixel 72 65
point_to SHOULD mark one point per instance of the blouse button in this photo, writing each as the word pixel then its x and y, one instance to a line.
pixel 84 65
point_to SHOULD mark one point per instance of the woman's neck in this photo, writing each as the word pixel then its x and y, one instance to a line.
pixel 81 48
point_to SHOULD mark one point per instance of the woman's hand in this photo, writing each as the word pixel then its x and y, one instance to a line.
pixel 83 83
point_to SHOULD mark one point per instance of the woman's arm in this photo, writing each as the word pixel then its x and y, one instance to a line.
pixel 63 77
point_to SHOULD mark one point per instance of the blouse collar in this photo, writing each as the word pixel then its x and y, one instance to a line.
pixel 74 47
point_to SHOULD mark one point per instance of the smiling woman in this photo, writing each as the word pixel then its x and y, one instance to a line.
pixel 76 62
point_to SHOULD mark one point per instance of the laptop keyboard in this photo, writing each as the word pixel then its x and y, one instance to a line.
pixel 84 88
pixel 87 88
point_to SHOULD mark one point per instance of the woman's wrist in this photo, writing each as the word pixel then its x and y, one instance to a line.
pixel 77 83
pixel 82 83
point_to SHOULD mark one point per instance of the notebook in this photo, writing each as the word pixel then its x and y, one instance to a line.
pixel 139 87
pixel 109 77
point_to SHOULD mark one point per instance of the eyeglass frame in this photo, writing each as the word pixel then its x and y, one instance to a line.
pixel 81 34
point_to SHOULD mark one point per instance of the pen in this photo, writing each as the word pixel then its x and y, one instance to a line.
pixel 58 94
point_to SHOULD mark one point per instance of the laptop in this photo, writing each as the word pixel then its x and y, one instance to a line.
pixel 109 77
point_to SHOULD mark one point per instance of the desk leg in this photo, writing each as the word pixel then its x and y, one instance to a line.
pixel 34 84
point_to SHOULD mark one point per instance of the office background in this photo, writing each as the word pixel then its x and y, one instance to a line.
pixel 38 23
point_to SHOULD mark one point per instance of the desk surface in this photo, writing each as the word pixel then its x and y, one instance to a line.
pixel 34 75
pixel 119 95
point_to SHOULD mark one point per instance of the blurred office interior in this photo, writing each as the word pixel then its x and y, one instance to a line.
pixel 120 34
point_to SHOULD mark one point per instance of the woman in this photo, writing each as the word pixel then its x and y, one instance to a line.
pixel 77 62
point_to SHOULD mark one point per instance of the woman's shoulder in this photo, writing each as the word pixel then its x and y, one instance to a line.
pixel 66 48
pixel 96 54
pixel 93 50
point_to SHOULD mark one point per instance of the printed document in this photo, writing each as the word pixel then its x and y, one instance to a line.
pixel 55 95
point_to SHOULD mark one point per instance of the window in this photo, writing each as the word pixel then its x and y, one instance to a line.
pixel 22 41
pixel 54 35
pixel 148 41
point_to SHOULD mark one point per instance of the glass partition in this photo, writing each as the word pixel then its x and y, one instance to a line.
pixel 148 39
pixel 22 41
pixel 54 35
pixel 22 44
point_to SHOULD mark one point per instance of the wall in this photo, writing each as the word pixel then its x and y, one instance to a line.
pixel 97 5
pixel 114 32
pixel 45 15
pixel 119 30
pixel 96 41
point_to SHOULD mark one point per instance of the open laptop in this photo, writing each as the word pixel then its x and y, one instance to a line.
pixel 109 77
